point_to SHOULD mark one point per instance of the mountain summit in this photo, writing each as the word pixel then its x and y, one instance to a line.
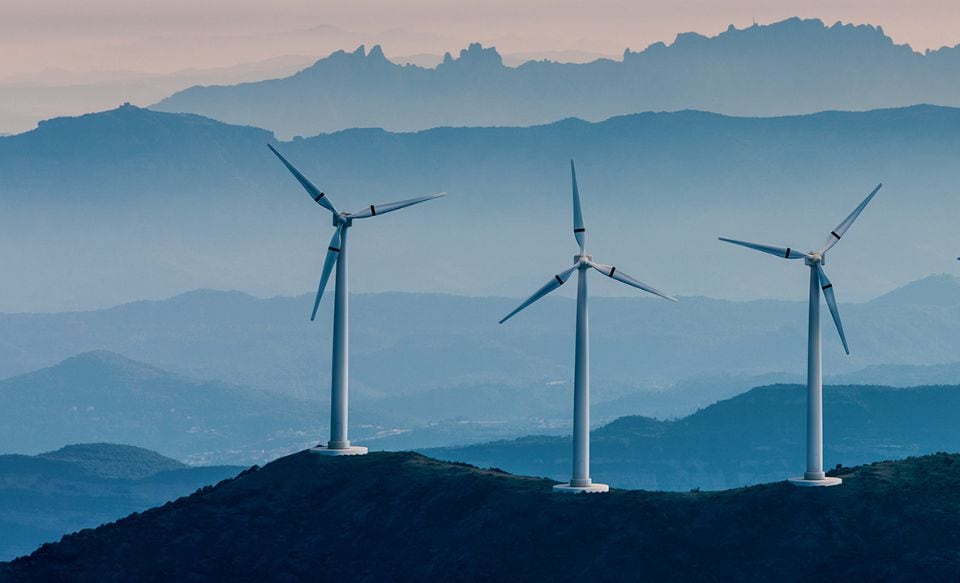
pixel 401 516
pixel 790 67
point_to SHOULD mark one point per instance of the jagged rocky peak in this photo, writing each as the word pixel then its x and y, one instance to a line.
pixel 358 53
pixel 795 31
pixel 376 53
pixel 357 56
pixel 475 56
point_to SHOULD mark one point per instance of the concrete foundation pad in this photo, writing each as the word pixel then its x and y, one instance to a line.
pixel 352 450
pixel 827 481
pixel 591 489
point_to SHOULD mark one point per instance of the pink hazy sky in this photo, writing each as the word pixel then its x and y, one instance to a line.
pixel 174 34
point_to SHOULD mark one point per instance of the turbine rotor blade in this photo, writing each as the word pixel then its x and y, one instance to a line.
pixel 558 280
pixel 831 298
pixel 579 231
pixel 333 254
pixel 782 252
pixel 614 273
pixel 842 228
pixel 379 209
pixel 314 192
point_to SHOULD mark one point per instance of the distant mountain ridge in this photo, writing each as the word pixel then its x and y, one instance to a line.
pixel 407 517
pixel 102 396
pixel 405 344
pixel 794 66
pixel 30 97
pixel 131 204
pixel 752 438
pixel 938 290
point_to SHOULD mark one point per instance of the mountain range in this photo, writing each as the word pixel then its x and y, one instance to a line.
pixel 795 66
pixel 102 396
pixel 132 204
pixel 45 496
pixel 752 438
pixel 26 99
pixel 432 344
pixel 743 439
pixel 401 516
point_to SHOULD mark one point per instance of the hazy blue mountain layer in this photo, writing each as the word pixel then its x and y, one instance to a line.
pixel 131 204
pixel 789 67
pixel 403 516
pixel 404 344
pixel 102 396
pixel 749 439
pixel 82 486
pixel 28 98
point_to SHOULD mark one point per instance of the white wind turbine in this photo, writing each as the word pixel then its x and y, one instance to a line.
pixel 339 443
pixel 814 476
pixel 581 482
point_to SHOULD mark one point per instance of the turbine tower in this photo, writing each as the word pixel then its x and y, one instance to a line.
pixel 581 482
pixel 339 443
pixel 815 260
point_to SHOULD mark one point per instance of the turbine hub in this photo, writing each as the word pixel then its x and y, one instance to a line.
pixel 582 258
pixel 815 258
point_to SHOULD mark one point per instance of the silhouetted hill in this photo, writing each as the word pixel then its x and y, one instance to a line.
pixel 143 148
pixel 790 67
pixel 102 396
pixel 81 486
pixel 405 517
pixel 751 438
pixel 134 204
pixel 108 460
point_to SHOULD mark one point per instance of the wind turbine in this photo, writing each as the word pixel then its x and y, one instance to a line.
pixel 815 260
pixel 339 443
pixel 581 482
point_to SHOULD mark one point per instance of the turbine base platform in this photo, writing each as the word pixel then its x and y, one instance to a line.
pixel 350 450
pixel 591 489
pixel 823 482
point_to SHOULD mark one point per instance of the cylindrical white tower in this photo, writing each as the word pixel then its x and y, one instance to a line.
pixel 339 377
pixel 814 475
pixel 581 388
pixel 814 384
pixel 580 481
pixel 339 443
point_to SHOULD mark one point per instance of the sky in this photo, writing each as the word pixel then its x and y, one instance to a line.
pixel 162 37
